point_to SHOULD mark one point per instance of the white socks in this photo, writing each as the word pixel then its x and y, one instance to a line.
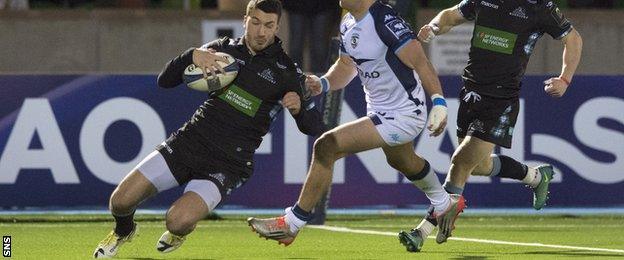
pixel 426 228
pixel 431 186
pixel 533 177
pixel 293 221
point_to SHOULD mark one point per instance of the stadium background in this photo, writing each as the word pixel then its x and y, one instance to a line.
pixel 71 71
pixel 79 107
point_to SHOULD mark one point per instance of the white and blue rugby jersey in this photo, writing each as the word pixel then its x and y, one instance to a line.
pixel 373 43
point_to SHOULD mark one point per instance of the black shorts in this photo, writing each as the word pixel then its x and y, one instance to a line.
pixel 489 119
pixel 227 173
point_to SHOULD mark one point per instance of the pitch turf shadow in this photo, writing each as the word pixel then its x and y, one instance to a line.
pixel 469 257
pixel 148 258
pixel 572 253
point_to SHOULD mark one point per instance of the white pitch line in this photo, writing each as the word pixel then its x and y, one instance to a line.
pixel 486 241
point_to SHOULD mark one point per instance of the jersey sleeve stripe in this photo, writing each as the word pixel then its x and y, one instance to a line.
pixel 402 44
pixel 566 32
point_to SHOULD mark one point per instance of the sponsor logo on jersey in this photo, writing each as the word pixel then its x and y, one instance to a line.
pixel 398 27
pixel 267 74
pixel 241 100
pixel 488 4
pixel 370 75
pixel 279 65
pixel 494 40
pixel 519 12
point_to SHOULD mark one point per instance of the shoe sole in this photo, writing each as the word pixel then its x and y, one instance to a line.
pixel 405 239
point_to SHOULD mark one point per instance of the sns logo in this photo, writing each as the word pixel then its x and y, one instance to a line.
pixel 6 246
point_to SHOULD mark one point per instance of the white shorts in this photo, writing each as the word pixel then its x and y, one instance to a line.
pixel 155 169
pixel 397 128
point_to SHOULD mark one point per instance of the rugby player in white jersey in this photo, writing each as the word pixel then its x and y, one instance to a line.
pixel 379 47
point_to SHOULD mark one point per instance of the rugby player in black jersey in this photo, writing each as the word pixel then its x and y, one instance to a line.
pixel 505 33
pixel 212 153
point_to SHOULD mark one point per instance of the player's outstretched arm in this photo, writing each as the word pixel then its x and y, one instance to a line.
pixel 414 57
pixel 441 24
pixel 573 46
pixel 308 118
pixel 337 77
pixel 171 74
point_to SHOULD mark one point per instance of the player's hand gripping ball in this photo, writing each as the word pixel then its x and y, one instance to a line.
pixel 222 71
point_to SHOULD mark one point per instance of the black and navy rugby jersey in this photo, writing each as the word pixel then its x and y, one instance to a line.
pixel 504 36
pixel 237 117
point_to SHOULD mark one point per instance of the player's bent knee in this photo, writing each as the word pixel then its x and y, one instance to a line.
pixel 326 147
pixel 120 203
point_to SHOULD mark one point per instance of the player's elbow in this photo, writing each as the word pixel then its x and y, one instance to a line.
pixel 574 39
pixel 578 39
pixel 163 81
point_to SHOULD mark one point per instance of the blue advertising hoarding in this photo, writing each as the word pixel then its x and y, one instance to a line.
pixel 66 140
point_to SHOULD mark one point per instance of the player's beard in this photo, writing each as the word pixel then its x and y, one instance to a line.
pixel 259 44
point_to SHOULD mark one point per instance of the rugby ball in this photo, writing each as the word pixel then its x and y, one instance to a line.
pixel 194 76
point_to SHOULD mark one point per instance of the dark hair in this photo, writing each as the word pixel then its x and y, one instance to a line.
pixel 267 6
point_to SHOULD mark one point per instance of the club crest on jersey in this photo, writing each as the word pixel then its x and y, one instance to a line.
pixel 519 12
pixel 268 75
pixel 354 40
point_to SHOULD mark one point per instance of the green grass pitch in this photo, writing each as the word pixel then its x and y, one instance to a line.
pixel 75 237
